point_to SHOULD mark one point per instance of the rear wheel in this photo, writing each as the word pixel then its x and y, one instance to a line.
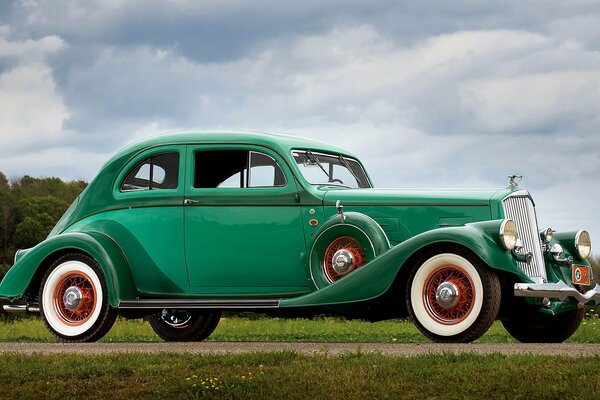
pixel 453 297
pixel 74 300
pixel 184 325
pixel 528 325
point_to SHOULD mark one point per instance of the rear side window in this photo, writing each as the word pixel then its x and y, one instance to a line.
pixel 236 169
pixel 160 171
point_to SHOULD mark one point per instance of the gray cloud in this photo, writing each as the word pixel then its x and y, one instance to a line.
pixel 427 93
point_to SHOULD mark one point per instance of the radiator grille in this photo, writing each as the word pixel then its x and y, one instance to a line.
pixel 520 209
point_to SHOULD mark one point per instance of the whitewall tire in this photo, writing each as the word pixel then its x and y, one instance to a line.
pixel 74 300
pixel 453 297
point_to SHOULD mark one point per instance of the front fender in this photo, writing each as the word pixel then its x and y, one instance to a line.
pixel 375 278
pixel 98 246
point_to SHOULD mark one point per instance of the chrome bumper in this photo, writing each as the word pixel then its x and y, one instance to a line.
pixel 558 290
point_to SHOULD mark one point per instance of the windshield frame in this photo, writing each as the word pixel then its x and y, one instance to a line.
pixel 348 161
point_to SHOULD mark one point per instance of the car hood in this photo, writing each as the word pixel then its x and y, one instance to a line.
pixel 404 213
pixel 414 196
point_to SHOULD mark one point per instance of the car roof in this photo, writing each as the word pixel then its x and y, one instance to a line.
pixel 278 141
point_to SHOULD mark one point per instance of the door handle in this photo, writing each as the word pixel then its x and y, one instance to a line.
pixel 189 202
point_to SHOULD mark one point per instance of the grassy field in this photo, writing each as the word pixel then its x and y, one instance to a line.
pixel 275 329
pixel 287 375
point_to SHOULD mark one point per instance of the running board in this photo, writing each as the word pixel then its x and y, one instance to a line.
pixel 205 303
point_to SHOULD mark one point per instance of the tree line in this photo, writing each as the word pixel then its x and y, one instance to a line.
pixel 29 209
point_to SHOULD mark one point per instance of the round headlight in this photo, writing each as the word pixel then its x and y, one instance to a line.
pixel 546 235
pixel 508 234
pixel 583 244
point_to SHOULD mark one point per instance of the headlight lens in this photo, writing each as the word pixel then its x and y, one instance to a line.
pixel 508 234
pixel 583 244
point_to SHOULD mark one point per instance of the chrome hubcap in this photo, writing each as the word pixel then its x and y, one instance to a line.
pixel 343 260
pixel 72 297
pixel 446 294
pixel 175 318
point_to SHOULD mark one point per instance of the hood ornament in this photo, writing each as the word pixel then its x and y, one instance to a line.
pixel 514 181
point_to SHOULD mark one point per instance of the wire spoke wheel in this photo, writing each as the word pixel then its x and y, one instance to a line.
pixel 342 256
pixel 452 297
pixel 75 298
pixel 457 287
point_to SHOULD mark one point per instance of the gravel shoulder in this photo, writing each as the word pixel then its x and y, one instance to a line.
pixel 391 349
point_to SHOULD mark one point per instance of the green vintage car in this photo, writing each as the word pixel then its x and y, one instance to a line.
pixel 181 227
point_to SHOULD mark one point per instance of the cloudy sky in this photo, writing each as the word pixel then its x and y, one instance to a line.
pixel 428 93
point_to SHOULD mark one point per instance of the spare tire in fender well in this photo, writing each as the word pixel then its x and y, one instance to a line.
pixel 357 226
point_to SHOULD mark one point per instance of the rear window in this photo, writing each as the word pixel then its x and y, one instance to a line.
pixel 160 171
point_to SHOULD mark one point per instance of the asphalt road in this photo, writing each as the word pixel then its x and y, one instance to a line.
pixel 392 349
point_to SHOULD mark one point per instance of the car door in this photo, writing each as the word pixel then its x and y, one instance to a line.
pixel 243 229
pixel 147 219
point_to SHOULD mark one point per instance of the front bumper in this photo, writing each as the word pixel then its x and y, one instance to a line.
pixel 559 290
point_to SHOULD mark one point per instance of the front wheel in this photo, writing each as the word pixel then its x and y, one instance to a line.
pixel 528 325
pixel 183 325
pixel 74 300
pixel 453 298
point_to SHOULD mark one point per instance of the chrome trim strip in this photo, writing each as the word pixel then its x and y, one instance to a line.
pixel 558 290
pixel 224 304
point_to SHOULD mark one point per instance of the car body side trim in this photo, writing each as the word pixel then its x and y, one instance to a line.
pixel 223 304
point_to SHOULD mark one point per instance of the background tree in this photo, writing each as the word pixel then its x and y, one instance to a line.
pixel 29 209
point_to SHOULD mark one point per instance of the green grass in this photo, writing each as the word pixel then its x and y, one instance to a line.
pixel 282 330
pixel 287 375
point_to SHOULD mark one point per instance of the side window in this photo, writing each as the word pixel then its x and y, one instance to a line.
pixel 157 172
pixel 236 169
pixel 264 171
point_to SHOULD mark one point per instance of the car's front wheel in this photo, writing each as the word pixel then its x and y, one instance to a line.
pixel 528 325
pixel 74 300
pixel 452 297
pixel 184 325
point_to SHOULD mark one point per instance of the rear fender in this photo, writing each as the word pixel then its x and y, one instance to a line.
pixel 31 265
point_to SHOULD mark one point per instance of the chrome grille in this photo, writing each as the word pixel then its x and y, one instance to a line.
pixel 520 209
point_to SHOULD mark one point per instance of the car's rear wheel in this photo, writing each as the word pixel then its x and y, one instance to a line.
pixel 528 325
pixel 184 325
pixel 452 297
pixel 74 300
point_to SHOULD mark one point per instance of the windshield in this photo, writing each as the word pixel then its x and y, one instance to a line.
pixel 330 169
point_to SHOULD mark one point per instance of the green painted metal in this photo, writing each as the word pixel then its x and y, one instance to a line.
pixel 414 211
pixel 244 238
pixel 258 242
pixel 375 278
pixel 97 245
pixel 558 272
